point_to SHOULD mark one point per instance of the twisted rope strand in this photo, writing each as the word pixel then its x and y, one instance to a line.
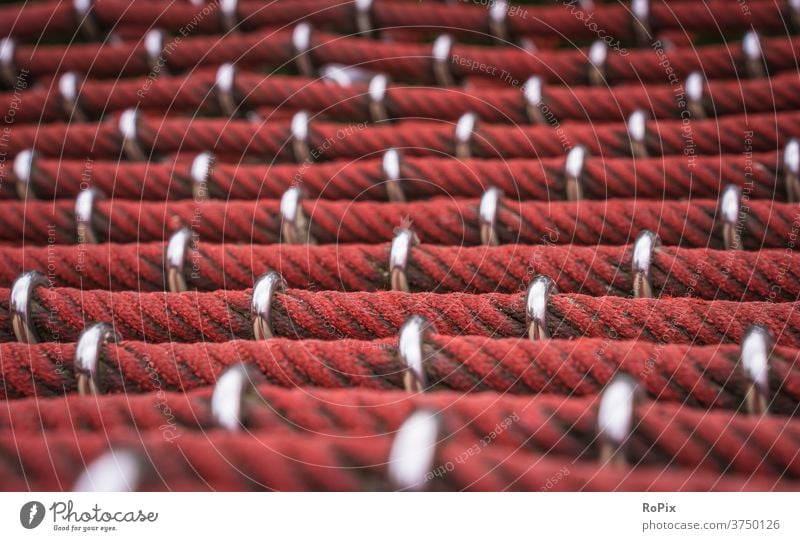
pixel 698 376
pixel 293 463
pixel 402 61
pixel 30 22
pixel 233 139
pixel 667 177
pixel 195 93
pixel 772 275
pixel 762 224
pixel 60 314
pixel 679 436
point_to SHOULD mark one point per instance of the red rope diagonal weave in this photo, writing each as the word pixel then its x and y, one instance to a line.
pixel 764 224
pixel 662 432
pixel 271 140
pixel 57 18
pixel 320 463
pixel 698 376
pixel 404 61
pixel 61 314
pixel 604 177
pixel 185 116
pixel 772 275
pixel 502 105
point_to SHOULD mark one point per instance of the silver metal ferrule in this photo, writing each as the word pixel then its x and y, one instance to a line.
pixel 413 451
pixel 537 300
pixel 616 417
pixel 643 250
pixel 88 352
pixel 730 212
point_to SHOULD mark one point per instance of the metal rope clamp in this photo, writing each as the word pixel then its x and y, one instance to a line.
pixel 695 85
pixel 615 418
pixel 643 250
pixel 261 306
pixel 84 210
pixel 533 93
pixel 794 13
pixel 640 11
pixel 598 56
pixel 70 96
pixel 363 17
pixel 487 216
pixel 8 63
pixel 377 97
pixel 498 19
pixel 537 300
pixel 301 43
pixel 225 90
pixel 23 167
pixel 464 132
pixel 200 174
pixel 730 210
pixel 413 451
pixel 228 15
pixel 753 55
pixel 20 305
pixel 637 133
pixel 118 470
pixel 573 172
pixel 88 368
pixel 756 348
pixel 234 389
pixel 177 250
pixel 411 347
pixel 791 170
pixel 295 225
pixel 402 243
pixel 300 126
pixel 129 130
pixel 87 24
pixel 154 50
pixel 392 164
pixel 440 54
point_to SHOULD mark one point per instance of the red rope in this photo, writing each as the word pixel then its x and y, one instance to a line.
pixel 402 61
pixel 332 398
pixel 772 275
pixel 692 375
pixel 194 93
pixel 55 18
pixel 671 177
pixel 61 314
pixel 271 140
pixel 764 224
pixel 292 463
pixel 683 437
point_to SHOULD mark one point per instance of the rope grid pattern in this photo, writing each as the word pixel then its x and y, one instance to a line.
pixel 357 218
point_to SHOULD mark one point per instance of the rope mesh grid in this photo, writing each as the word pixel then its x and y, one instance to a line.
pixel 157 168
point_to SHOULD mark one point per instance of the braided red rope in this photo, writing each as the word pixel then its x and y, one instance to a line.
pixel 701 376
pixel 682 437
pixel 669 177
pixel 763 224
pixel 61 314
pixel 195 93
pixel 238 138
